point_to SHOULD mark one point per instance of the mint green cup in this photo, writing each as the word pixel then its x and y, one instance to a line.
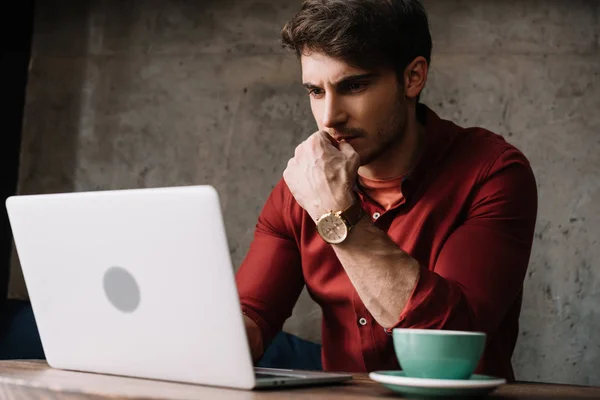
pixel 438 354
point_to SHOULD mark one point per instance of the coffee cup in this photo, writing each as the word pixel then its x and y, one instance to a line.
pixel 438 354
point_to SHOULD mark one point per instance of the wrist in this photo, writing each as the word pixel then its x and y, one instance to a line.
pixel 362 224
pixel 335 226
pixel 340 204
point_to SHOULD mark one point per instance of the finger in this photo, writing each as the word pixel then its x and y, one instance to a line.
pixel 288 169
pixel 298 151
pixel 347 149
pixel 330 138
pixel 291 163
pixel 326 138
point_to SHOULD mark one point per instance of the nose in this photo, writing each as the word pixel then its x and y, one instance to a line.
pixel 333 114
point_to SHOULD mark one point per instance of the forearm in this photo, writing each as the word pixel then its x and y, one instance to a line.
pixel 383 275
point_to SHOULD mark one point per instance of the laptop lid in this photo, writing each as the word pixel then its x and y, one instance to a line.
pixel 134 282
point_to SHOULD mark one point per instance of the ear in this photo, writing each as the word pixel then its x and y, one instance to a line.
pixel 415 76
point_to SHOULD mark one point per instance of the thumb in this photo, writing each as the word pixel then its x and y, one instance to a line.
pixel 347 149
pixel 326 136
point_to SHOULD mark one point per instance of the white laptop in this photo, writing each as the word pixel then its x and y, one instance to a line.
pixel 139 283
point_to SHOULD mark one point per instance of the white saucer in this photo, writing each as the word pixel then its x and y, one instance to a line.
pixel 422 387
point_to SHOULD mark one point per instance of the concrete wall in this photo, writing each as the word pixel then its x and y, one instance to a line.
pixel 160 93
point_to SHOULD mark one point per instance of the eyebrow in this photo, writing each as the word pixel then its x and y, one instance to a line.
pixel 345 80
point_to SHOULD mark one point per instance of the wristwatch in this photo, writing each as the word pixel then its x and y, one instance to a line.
pixel 334 226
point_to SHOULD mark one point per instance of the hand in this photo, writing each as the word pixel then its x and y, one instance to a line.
pixel 321 176
pixel 254 339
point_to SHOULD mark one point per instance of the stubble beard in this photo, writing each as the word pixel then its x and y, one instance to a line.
pixel 389 137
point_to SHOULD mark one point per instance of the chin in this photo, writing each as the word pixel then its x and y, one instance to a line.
pixel 366 157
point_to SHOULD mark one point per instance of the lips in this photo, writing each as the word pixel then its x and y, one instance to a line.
pixel 345 135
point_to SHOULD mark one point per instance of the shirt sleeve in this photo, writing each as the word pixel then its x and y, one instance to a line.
pixel 270 278
pixel 481 268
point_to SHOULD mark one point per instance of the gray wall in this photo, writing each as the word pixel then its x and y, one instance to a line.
pixel 160 93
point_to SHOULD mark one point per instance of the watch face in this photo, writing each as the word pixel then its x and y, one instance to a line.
pixel 332 229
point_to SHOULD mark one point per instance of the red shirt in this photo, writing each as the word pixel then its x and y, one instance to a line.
pixel 467 216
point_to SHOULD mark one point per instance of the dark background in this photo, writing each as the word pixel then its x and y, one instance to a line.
pixel 17 28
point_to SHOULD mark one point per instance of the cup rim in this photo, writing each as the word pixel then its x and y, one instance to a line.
pixel 440 332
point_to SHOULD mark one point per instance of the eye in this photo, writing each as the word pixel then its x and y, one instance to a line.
pixel 355 86
pixel 315 92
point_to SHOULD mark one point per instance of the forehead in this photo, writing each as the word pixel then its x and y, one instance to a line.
pixel 319 68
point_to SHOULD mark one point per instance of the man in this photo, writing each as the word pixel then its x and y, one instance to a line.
pixel 437 220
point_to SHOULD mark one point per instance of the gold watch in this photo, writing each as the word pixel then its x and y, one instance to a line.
pixel 334 226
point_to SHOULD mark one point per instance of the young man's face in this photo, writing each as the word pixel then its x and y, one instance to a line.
pixel 365 108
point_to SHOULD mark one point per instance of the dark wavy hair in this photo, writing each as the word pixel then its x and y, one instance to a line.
pixel 363 33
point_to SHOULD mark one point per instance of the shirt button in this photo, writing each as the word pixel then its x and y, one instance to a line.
pixel 362 321
pixel 376 215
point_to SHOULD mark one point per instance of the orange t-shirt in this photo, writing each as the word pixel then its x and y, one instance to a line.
pixel 387 193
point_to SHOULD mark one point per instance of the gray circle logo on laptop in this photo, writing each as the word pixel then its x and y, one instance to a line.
pixel 121 289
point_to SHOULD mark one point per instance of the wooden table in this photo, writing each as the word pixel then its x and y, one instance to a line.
pixel 35 380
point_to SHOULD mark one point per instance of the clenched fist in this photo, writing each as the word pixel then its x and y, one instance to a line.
pixel 321 176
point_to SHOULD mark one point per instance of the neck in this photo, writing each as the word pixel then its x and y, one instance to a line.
pixel 400 156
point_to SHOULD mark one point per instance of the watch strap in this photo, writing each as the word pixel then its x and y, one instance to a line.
pixel 353 214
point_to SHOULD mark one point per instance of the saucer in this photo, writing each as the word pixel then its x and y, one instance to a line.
pixel 397 381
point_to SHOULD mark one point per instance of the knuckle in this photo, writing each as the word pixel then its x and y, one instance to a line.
pixel 286 175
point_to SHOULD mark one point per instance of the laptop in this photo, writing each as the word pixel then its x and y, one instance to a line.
pixel 139 283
